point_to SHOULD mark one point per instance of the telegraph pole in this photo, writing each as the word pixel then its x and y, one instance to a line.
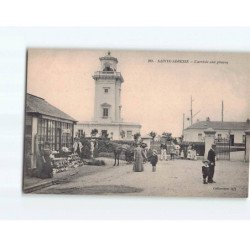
pixel 191 111
pixel 183 124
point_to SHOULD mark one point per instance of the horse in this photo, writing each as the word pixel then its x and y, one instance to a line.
pixel 117 150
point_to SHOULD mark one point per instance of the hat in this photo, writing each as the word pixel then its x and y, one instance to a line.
pixel 206 161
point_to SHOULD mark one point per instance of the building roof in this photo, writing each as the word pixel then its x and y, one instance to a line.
pixel 217 125
pixel 38 105
pixel 146 137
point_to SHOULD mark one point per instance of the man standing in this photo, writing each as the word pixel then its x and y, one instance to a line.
pixel 211 158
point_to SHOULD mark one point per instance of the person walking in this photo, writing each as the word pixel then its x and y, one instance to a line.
pixel 205 170
pixel 144 152
pixel 211 158
pixel 153 160
pixel 138 159
pixel 172 152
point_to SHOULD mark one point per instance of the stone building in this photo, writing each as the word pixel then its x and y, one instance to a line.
pixel 45 122
pixel 234 131
pixel 107 104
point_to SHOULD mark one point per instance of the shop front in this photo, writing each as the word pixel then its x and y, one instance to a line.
pixel 45 123
pixel 58 133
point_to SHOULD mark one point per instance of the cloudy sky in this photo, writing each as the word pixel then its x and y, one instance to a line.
pixel 155 94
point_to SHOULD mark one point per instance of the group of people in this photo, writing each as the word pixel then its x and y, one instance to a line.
pixel 172 151
pixel 209 166
pixel 45 164
pixel 77 146
pixel 140 158
pixel 44 158
pixel 188 153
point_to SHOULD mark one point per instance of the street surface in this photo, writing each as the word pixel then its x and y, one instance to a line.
pixel 172 178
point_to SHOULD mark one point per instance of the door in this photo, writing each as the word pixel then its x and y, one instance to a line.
pixel 231 140
pixel 104 133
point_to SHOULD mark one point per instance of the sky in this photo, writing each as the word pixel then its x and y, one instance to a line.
pixel 155 94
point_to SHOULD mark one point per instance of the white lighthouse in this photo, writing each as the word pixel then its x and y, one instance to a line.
pixel 108 83
pixel 107 104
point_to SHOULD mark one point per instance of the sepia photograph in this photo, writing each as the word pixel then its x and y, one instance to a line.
pixel 124 121
pixel 137 123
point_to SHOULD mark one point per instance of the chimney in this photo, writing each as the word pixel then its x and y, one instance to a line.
pixel 208 119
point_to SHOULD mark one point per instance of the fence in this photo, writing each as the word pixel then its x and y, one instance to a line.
pixel 222 149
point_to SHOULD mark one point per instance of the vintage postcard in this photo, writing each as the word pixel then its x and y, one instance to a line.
pixel 137 123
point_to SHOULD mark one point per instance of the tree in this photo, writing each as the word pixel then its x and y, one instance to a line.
pixel 181 138
pixel 83 135
pixel 168 136
pixel 94 132
pixel 175 141
pixel 105 135
pixel 136 136
pixel 152 134
pixel 122 134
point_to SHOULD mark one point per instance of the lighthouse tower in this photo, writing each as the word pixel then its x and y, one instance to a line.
pixel 108 83
pixel 107 104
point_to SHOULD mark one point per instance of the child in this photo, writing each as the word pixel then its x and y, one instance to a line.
pixel 182 154
pixel 153 160
pixel 205 171
pixel 163 151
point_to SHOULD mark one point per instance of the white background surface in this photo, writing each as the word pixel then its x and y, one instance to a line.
pixel 118 234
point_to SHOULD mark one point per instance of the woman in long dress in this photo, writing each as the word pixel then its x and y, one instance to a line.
pixel 138 163
pixel 47 170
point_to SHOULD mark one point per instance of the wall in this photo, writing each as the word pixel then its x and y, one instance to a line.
pixel 34 133
pixel 115 128
pixel 192 135
pixel 112 98
pixel 247 146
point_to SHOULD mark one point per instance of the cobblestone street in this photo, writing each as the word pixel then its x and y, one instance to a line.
pixel 172 178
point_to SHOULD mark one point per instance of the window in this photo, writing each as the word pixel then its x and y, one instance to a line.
pixel 50 133
pixel 106 90
pixel 129 134
pixel 80 132
pixel 58 134
pixel 104 133
pixel 42 132
pixel 28 125
pixel 66 135
pixel 53 136
pixel 231 138
pixel 105 112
